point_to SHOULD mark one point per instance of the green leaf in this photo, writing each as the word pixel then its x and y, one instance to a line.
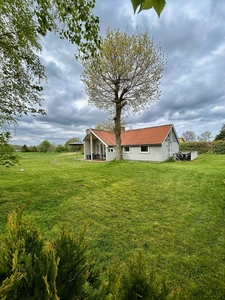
pixel 136 3
pixel 147 4
pixel 157 4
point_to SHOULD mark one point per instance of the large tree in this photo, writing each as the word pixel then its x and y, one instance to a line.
pixel 22 23
pixel 124 78
pixel 44 146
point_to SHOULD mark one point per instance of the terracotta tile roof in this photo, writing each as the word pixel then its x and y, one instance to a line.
pixel 144 136
pixel 108 137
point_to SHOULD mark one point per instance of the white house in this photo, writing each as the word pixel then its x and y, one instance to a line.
pixel 146 144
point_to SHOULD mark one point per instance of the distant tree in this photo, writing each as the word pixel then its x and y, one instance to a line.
pixel 17 147
pixel 70 148
pixel 189 136
pixel 59 148
pixel 24 148
pixel 205 137
pixel 44 146
pixel 52 148
pixel 32 149
pixel 221 135
pixel 124 78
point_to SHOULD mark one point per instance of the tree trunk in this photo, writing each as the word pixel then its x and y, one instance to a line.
pixel 117 120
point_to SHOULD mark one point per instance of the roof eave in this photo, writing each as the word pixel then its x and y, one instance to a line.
pixel 99 138
pixel 132 145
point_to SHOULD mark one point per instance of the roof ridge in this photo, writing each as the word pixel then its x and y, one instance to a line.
pixel 134 129
pixel 148 127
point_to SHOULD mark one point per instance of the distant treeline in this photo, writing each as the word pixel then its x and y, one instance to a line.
pixel 46 146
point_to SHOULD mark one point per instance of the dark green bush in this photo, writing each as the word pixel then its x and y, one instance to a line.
pixel 170 159
pixel 201 147
pixel 60 148
pixel 24 148
pixel 219 147
pixel 32 149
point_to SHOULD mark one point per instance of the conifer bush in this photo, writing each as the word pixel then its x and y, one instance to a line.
pixel 138 283
pixel 31 268
pixel 28 266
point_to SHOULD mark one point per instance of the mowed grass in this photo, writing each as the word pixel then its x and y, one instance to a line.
pixel 173 212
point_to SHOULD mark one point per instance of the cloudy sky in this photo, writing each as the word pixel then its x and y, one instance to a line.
pixel 192 34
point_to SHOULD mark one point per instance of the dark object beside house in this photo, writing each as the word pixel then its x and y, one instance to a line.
pixel 99 156
pixel 183 155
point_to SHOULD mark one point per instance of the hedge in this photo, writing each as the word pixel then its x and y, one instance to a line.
pixel 217 147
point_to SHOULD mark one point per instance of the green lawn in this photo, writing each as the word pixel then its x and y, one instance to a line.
pixel 173 212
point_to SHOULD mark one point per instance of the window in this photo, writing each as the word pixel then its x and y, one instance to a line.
pixel 126 149
pixel 144 149
pixel 110 149
pixel 97 148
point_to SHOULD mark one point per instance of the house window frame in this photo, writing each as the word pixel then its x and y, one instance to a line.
pixel 110 149
pixel 148 149
pixel 125 150
pixel 97 148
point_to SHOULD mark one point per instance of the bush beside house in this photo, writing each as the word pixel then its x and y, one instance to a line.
pixel 217 147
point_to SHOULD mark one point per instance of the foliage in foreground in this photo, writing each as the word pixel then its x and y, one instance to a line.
pixel 31 268
pixel 7 153
pixel 148 4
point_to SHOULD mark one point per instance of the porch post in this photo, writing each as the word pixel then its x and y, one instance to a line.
pixel 91 145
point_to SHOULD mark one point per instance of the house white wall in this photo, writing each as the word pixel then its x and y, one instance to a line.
pixel 169 146
pixel 154 154
pixel 110 153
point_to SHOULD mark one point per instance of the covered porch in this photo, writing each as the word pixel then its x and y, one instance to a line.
pixel 96 149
